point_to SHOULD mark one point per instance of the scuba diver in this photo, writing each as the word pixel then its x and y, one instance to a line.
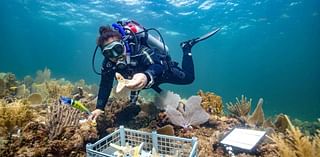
pixel 129 49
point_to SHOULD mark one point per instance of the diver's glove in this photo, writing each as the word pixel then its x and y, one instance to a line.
pixel 187 45
pixel 95 114
pixel 138 81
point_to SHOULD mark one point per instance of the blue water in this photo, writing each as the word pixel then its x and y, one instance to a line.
pixel 267 48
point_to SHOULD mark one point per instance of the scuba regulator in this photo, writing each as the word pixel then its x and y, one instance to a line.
pixel 134 35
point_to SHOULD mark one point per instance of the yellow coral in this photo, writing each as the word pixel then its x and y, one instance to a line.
pixel 241 108
pixel 296 144
pixel 14 116
pixel 56 90
pixel 43 76
pixel 211 103
pixel 35 98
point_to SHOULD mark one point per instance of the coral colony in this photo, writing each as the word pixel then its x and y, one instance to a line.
pixel 34 123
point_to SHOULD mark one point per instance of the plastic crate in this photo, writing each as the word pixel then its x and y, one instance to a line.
pixel 164 144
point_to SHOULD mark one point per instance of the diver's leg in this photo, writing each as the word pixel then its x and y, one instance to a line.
pixel 185 74
pixel 187 62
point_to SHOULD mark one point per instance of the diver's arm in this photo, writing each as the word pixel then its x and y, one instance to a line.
pixel 106 82
pixel 154 71
pixel 155 68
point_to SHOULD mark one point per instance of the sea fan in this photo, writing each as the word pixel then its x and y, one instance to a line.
pixel 167 98
pixel 191 115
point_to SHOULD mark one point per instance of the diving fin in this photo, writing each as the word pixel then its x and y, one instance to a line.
pixel 206 36
pixel 192 42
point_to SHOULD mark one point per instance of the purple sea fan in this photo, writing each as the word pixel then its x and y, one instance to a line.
pixel 167 98
pixel 192 115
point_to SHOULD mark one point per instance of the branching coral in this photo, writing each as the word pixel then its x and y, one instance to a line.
pixel 307 127
pixel 296 144
pixel 91 89
pixel 56 90
pixel 240 108
pixel 10 80
pixel 27 80
pixel 43 76
pixel 8 84
pixel 14 115
pixel 211 103
pixel 59 117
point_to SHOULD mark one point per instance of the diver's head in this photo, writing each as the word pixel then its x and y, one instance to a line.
pixel 110 43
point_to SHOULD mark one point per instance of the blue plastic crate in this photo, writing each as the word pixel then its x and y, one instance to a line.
pixel 164 144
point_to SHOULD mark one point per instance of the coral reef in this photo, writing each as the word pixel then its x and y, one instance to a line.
pixel 183 114
pixel 59 117
pixel 55 90
pixel 27 80
pixel 13 116
pixel 90 89
pixel 167 98
pixel 240 108
pixel 282 123
pixel 21 91
pixel 241 111
pixel 35 98
pixel 24 128
pixel 2 88
pixel 43 76
pixel 296 144
pixel 257 117
pixel 8 84
pixel 211 103
pixel 35 125
pixel 309 128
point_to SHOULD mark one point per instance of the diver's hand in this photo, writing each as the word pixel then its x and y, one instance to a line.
pixel 95 114
pixel 138 81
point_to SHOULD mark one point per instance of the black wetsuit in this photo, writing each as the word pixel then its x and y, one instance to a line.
pixel 157 70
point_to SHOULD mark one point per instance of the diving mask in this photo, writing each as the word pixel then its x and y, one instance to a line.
pixel 114 50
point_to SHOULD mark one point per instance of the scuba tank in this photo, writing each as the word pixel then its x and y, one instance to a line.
pixel 143 34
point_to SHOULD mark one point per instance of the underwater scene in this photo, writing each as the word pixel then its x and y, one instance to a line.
pixel 160 78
